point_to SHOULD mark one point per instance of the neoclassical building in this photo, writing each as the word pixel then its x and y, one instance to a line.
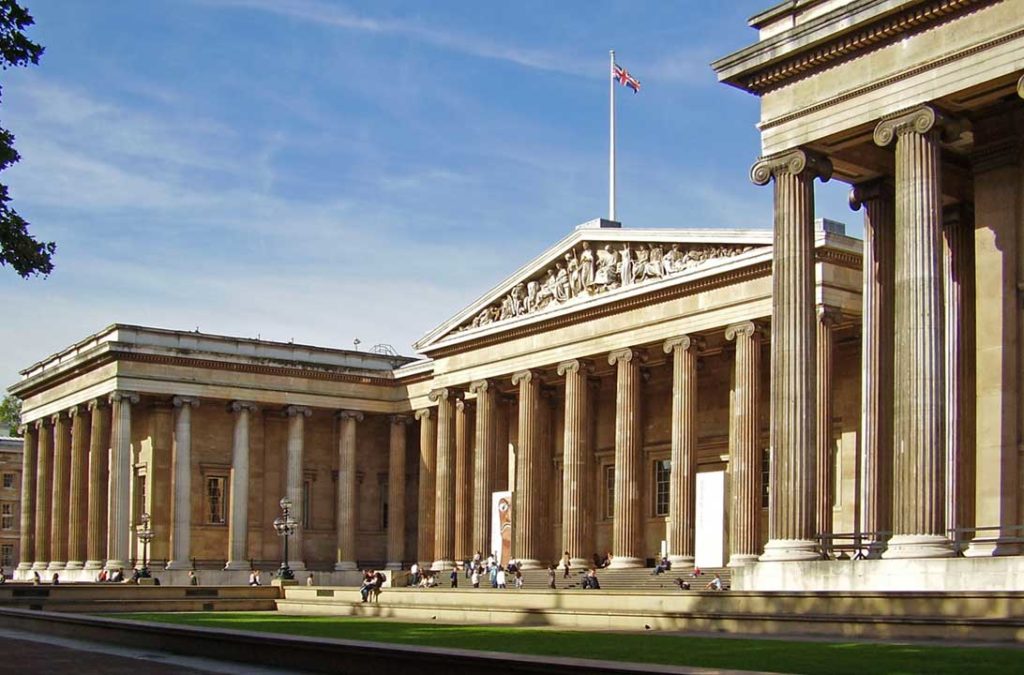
pixel 750 398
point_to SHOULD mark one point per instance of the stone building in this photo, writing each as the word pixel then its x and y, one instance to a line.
pixel 749 398
pixel 10 501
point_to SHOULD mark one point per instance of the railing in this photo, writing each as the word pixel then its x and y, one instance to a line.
pixel 852 545
pixel 961 540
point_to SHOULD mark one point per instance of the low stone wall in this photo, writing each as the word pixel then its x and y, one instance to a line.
pixel 216 577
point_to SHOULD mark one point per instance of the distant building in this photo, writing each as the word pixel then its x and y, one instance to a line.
pixel 10 501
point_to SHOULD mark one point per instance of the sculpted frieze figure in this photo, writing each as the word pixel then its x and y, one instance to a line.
pixel 584 273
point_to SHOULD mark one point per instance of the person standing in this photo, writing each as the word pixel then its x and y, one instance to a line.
pixel 455 577
pixel 551 576
pixel 565 565
pixel 414 574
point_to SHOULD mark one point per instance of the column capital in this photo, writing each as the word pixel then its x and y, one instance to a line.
pixel 55 417
pixel 423 414
pixel 349 415
pixel 683 343
pixel 96 403
pixel 124 397
pixel 871 190
pixel 1020 86
pixel 464 405
pixel 182 401
pixel 744 329
pixel 626 355
pixel 828 315
pixel 75 410
pixel 795 161
pixel 444 393
pixel 525 377
pixel 39 423
pixel 480 387
pixel 296 410
pixel 573 366
pixel 23 429
pixel 919 120
pixel 399 420
pixel 239 406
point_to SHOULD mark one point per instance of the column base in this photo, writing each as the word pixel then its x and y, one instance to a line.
pixel 39 566
pixel 681 561
pixel 24 566
pixel 75 565
pixel 440 565
pixel 579 563
pixel 790 550
pixel 178 565
pixel 530 564
pixel 742 559
pixel 235 565
pixel 987 549
pixel 345 566
pixel 622 562
pixel 93 564
pixel 115 564
pixel 918 546
pixel 56 566
pixel 297 565
pixel 393 565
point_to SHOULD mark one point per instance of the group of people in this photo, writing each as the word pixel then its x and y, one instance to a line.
pixel 373 581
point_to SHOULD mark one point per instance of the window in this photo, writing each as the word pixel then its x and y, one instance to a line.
pixel 6 555
pixel 609 492
pixel 140 495
pixel 216 500
pixel 837 475
pixel 662 482
pixel 307 502
pixel 6 516
pixel 8 480
pixel 766 468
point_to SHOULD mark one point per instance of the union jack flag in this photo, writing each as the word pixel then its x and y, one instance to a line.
pixel 622 75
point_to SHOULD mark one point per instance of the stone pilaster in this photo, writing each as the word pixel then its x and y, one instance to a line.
pixel 396 490
pixel 484 462
pixel 683 488
pixel 238 516
pixel 119 505
pixel 827 319
pixel 577 471
pixel 627 532
pixel 78 495
pixel 919 420
pixel 61 486
pixel 347 469
pixel 528 540
pixel 44 483
pixel 427 480
pixel 791 511
pixel 745 446
pixel 444 501
pixel 464 424
pixel 296 448
pixel 877 330
pixel 99 481
pixel 181 503
pixel 30 453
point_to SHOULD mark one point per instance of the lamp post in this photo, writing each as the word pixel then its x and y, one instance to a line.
pixel 285 525
pixel 145 535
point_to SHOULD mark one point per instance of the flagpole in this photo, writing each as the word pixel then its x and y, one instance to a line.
pixel 611 137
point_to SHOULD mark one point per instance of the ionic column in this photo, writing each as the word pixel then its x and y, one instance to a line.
pixel 444 502
pixel 44 483
pixel 29 455
pixel 396 491
pixel 181 503
pixel 346 517
pixel 827 319
pixel 877 330
pixel 528 540
pixel 919 430
pixel 791 513
pixel 79 488
pixel 119 506
pixel 61 486
pixel 577 514
pixel 296 446
pixel 99 456
pixel 238 516
pixel 627 547
pixel 427 481
pixel 683 488
pixel 745 446
pixel 485 451
pixel 463 480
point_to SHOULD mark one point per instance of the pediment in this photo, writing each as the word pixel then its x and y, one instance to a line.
pixel 592 266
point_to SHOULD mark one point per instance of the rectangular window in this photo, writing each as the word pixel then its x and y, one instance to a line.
pixel 139 496
pixel 662 482
pixel 8 480
pixel 609 492
pixel 6 555
pixel 7 516
pixel 307 502
pixel 837 475
pixel 216 500
pixel 766 470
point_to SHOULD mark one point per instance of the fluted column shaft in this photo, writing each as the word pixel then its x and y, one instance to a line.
pixel 577 514
pixel 119 504
pixel 78 495
pixel 347 468
pixel 238 516
pixel 627 547
pixel 792 436
pixel 99 456
pixel 464 425
pixel 296 447
pixel 444 502
pixel 44 483
pixel 683 486
pixel 396 491
pixel 877 330
pixel 427 481
pixel 827 318
pixel 181 504
pixel 30 453
pixel 60 489
pixel 528 540
pixel 745 446
pixel 484 463
pixel 919 425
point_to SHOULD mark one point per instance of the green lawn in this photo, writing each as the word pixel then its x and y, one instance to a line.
pixel 674 649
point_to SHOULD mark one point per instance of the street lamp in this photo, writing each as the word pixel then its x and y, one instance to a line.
pixel 285 525
pixel 145 535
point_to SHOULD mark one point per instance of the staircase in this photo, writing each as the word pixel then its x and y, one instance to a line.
pixel 639 580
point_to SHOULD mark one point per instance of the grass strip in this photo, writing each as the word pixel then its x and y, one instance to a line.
pixel 781 656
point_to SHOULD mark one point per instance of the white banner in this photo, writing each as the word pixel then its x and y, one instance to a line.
pixel 501 526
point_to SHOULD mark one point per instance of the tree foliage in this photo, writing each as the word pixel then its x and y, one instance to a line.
pixel 19 249
pixel 10 414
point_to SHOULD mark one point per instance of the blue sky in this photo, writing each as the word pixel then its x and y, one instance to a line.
pixel 323 171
